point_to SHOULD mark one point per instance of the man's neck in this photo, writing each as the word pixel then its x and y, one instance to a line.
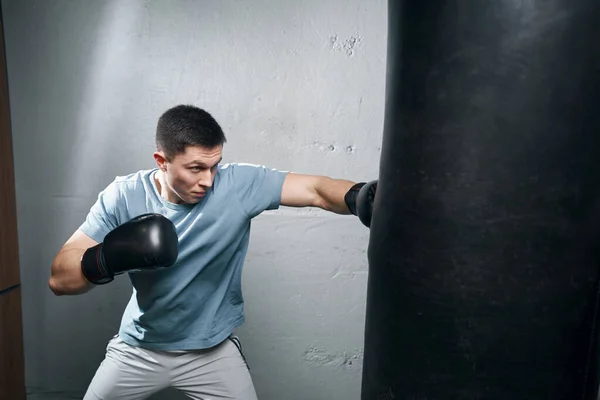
pixel 160 185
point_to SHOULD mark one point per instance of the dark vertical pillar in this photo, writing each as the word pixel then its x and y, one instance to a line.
pixel 12 381
pixel 483 254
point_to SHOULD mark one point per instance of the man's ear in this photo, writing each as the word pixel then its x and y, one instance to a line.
pixel 161 160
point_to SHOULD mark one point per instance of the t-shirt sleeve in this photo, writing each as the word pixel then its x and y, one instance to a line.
pixel 258 188
pixel 103 216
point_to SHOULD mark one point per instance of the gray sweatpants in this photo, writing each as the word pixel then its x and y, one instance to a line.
pixel 134 373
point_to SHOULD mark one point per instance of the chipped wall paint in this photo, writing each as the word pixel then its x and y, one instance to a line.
pixel 297 85
pixel 339 359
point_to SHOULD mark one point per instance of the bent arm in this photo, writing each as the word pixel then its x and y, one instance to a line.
pixel 66 276
pixel 315 191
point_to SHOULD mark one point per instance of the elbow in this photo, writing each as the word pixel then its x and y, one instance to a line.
pixel 54 282
pixel 66 277
pixel 64 285
pixel 55 287
pixel 318 198
pixel 58 282
pixel 328 196
pixel 323 204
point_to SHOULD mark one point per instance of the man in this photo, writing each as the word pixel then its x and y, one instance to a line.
pixel 181 232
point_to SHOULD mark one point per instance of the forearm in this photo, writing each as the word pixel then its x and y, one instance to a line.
pixel 66 275
pixel 331 194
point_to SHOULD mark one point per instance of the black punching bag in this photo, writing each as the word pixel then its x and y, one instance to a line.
pixel 483 250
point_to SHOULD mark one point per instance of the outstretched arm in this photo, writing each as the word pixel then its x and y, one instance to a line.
pixel 335 195
pixel 315 191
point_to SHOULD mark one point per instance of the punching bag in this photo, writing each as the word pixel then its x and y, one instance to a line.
pixel 483 248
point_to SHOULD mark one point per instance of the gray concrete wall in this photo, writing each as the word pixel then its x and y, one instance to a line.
pixel 297 85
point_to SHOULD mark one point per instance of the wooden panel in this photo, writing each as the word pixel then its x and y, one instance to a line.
pixel 9 252
pixel 12 366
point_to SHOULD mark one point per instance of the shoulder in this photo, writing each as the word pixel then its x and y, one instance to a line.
pixel 133 178
pixel 257 187
pixel 128 184
pixel 244 174
pixel 240 168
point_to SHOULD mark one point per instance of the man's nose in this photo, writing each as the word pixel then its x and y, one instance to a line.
pixel 205 179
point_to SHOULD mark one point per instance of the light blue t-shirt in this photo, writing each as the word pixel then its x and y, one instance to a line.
pixel 196 303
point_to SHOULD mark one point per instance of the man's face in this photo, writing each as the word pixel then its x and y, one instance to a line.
pixel 189 176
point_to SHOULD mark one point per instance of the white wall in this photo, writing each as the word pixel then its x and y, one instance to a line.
pixel 296 85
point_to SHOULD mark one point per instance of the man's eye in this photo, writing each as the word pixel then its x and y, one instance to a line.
pixel 195 169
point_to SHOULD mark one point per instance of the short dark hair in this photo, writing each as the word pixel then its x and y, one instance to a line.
pixel 186 125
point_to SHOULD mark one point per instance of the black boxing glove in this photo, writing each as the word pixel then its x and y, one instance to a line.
pixel 359 200
pixel 146 242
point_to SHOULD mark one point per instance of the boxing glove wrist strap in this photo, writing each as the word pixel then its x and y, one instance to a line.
pixel 93 266
pixel 350 197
